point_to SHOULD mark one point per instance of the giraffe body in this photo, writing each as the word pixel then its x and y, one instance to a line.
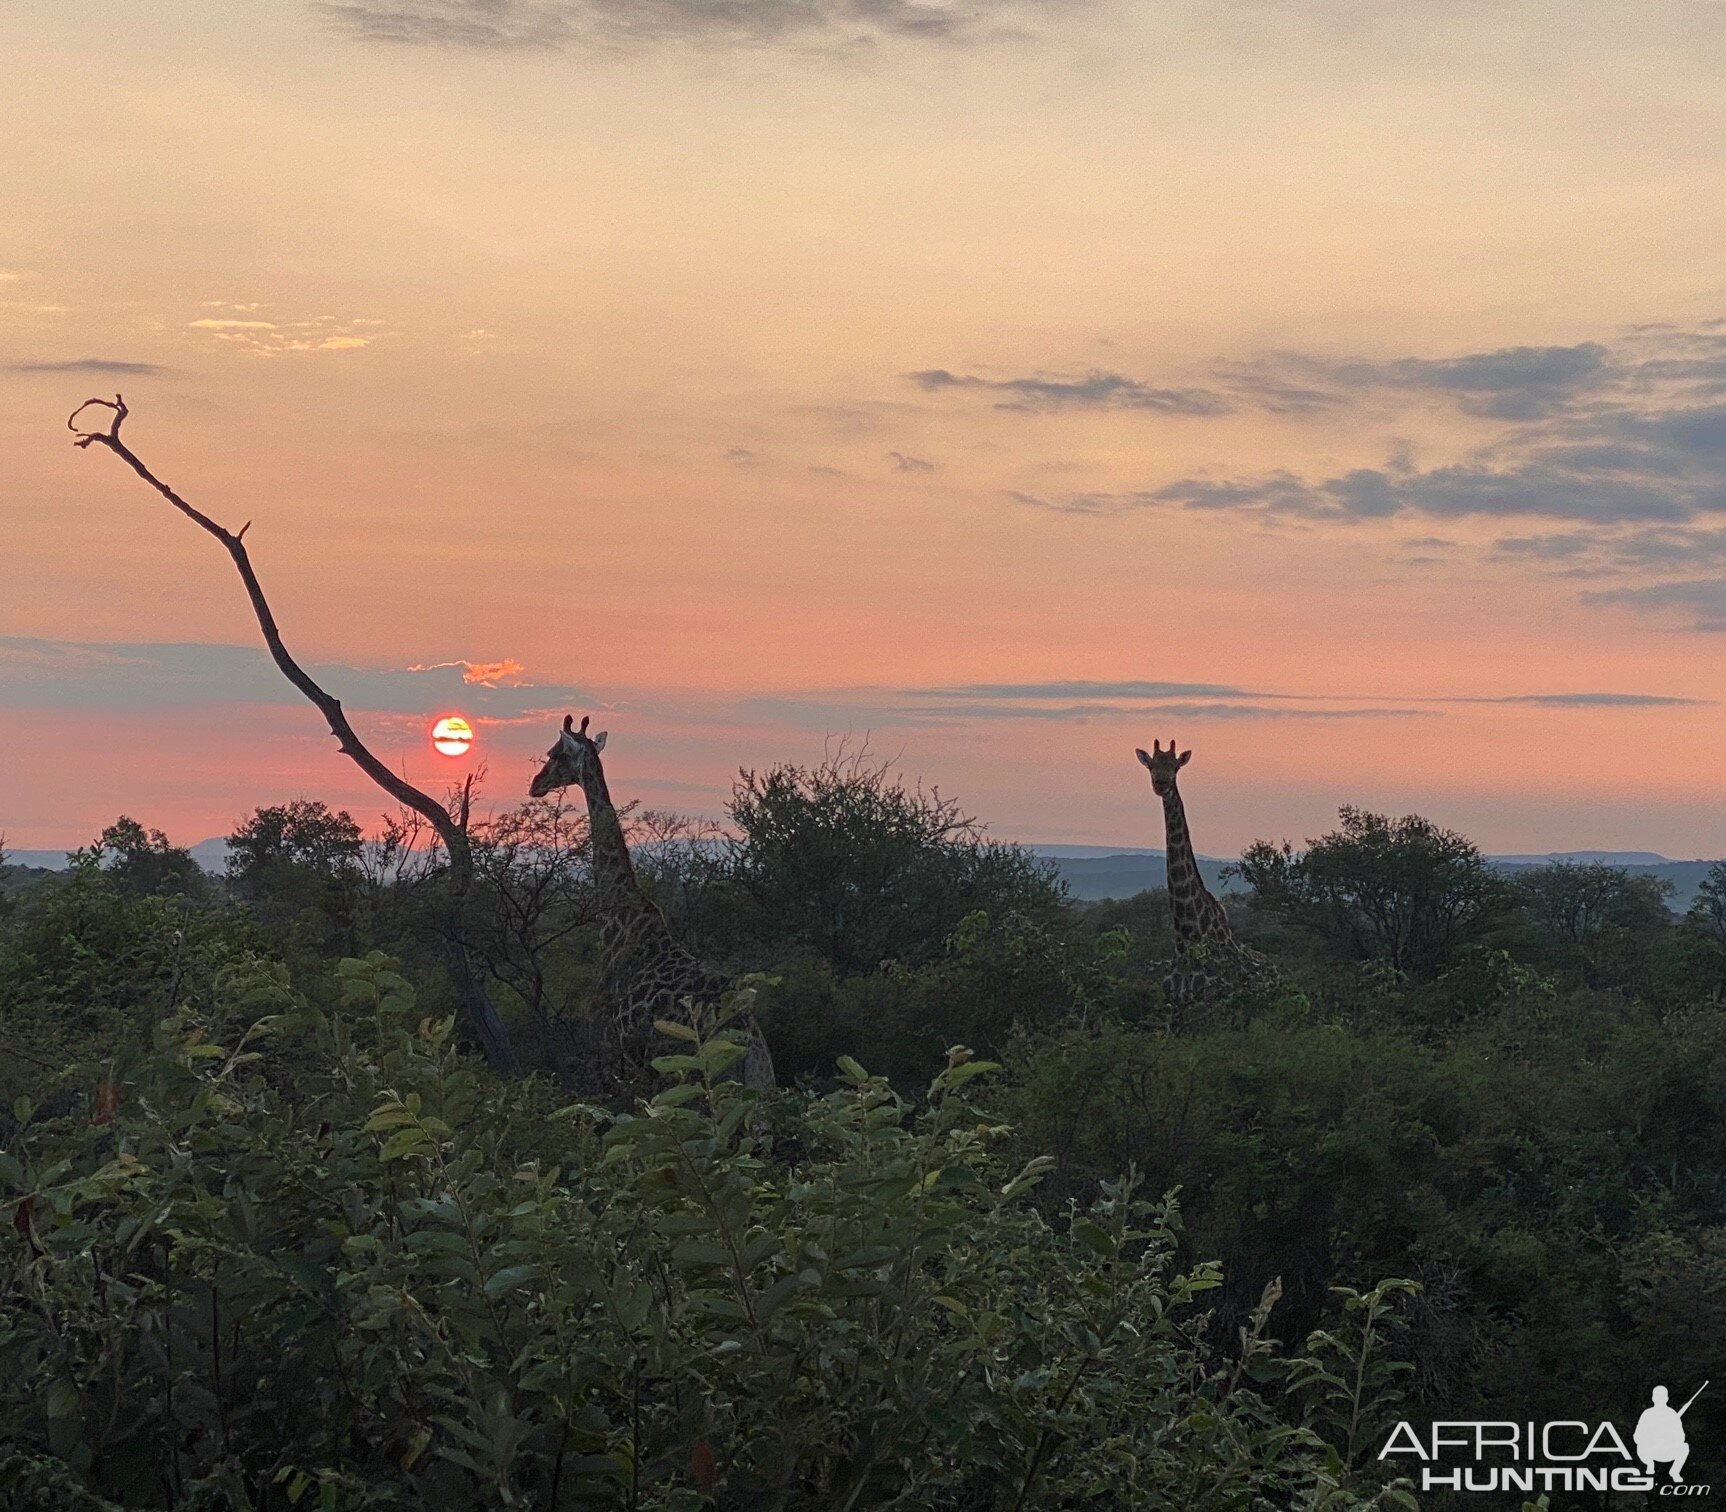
pixel 645 974
pixel 1209 960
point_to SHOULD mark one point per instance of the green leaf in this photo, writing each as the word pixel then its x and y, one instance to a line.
pixel 956 1075
pixel 720 1054
pixel 402 1142
pixel 436 1242
pixel 684 1223
pixel 778 1294
pixel 713 1305
pixel 873 1254
pixel 676 1097
pixel 1099 1241
pixel 693 1252
pixel 633 1303
pixel 670 1065
pixel 508 1278
pixel 677 1031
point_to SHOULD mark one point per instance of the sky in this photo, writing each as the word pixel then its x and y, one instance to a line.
pixel 1338 388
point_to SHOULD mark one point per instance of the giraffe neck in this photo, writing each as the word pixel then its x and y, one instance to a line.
pixel 1187 890
pixel 613 871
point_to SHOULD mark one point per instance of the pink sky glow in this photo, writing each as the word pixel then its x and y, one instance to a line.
pixel 1338 388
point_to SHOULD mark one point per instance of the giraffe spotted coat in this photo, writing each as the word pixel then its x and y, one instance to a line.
pixel 1210 961
pixel 645 974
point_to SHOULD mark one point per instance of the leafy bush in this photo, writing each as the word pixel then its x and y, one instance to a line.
pixel 390 1280
pixel 845 860
pixel 1402 891
pixel 996 977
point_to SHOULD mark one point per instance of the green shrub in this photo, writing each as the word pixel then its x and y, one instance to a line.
pixel 388 1279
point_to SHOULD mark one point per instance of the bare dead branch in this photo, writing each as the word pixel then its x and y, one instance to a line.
pixel 451 829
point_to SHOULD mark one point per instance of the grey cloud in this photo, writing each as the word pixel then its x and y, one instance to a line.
pixel 1454 492
pixel 1280 394
pixel 827 712
pixel 1549 548
pixel 1695 433
pixel 1656 547
pixel 1081 688
pixel 558 25
pixel 1142 702
pixel 904 463
pixel 134 676
pixel 1588 382
pixel 1535 488
pixel 90 365
pixel 1513 383
pixel 1624 443
pixel 1701 601
pixel 1094 390
pixel 1597 700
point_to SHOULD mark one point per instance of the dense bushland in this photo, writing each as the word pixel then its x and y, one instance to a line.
pixel 278 1238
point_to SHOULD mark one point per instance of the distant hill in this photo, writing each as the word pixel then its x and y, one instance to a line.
pixel 1091 873
pixel 212 855
pixel 1100 871
pixel 1120 874
pixel 15 879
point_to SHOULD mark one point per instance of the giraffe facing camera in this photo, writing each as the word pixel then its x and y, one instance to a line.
pixel 1163 765
pixel 1209 960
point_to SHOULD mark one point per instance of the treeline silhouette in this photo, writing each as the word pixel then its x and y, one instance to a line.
pixel 1506 1093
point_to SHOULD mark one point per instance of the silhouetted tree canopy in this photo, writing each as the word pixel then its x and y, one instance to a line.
pixel 300 861
pixel 1401 891
pixel 846 860
pixel 146 861
pixel 1601 922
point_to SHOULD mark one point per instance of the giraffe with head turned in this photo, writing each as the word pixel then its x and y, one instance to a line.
pixel 646 975
pixel 1208 957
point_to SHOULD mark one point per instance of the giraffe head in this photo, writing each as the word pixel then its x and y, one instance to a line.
pixel 568 760
pixel 1163 765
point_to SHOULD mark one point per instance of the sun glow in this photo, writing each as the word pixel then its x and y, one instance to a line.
pixel 452 736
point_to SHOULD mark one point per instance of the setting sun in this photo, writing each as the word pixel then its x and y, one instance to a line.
pixel 452 736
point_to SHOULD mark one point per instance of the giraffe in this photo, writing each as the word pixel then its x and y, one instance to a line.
pixel 1207 954
pixel 646 975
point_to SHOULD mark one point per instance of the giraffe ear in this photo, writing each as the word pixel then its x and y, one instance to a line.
pixel 599 741
pixel 1142 757
pixel 1186 756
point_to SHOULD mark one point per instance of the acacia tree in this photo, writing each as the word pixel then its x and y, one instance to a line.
pixel 1708 912
pixel 1402 891
pixel 146 861
pixel 847 860
pixel 1602 921
pixel 298 862
pixel 451 826
pixel 537 890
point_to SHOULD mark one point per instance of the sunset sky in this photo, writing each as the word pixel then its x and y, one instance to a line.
pixel 1337 386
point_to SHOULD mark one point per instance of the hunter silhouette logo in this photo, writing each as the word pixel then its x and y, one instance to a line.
pixel 1660 1433
pixel 1565 1454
